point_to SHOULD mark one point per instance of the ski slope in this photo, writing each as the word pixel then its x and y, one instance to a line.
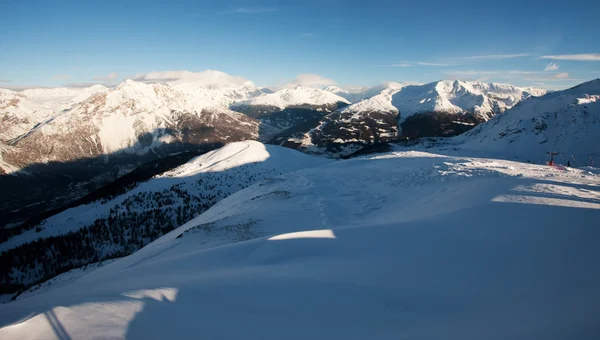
pixel 403 245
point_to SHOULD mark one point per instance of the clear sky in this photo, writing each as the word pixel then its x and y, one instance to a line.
pixel 545 43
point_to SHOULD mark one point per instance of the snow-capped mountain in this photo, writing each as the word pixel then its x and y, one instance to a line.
pixel 442 108
pixel 372 120
pixel 566 121
pixel 82 147
pixel 294 97
pixel 142 214
pixel 135 117
pixel 354 95
pixel 459 98
pixel 217 87
pixel 290 109
pixel 402 245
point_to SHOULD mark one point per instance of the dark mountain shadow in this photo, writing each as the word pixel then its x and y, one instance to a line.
pixel 42 190
pixel 122 226
pixel 438 124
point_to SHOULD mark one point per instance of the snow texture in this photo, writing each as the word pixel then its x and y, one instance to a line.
pixel 403 245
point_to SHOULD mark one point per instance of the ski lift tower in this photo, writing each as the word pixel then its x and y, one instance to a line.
pixel 552 154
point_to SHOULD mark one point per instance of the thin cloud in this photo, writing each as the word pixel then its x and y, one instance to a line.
pixel 309 79
pixel 576 57
pixel 61 77
pixel 551 67
pixel 422 63
pixel 561 76
pixel 108 77
pixel 24 87
pixel 5 81
pixel 246 10
pixel 81 84
pixel 491 72
pixel 493 56
pixel 394 65
pixel 204 78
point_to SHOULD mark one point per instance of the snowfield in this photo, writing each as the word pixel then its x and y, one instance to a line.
pixel 403 245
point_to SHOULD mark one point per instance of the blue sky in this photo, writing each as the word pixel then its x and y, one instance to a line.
pixel 552 44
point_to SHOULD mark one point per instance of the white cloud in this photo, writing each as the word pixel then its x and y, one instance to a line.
pixel 504 73
pixel 61 77
pixel 108 77
pixel 493 56
pixel 578 57
pixel 309 79
pixel 551 67
pixel 204 78
pixel 246 10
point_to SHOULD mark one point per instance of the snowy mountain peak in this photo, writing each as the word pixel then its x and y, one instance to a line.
pixel 589 87
pixel 298 95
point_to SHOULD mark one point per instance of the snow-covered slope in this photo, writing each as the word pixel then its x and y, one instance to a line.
pixel 22 111
pixel 403 245
pixel 563 121
pixel 295 96
pixel 152 208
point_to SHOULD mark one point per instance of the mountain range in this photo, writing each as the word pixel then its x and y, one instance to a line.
pixel 62 124
pixel 468 216
pixel 61 144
